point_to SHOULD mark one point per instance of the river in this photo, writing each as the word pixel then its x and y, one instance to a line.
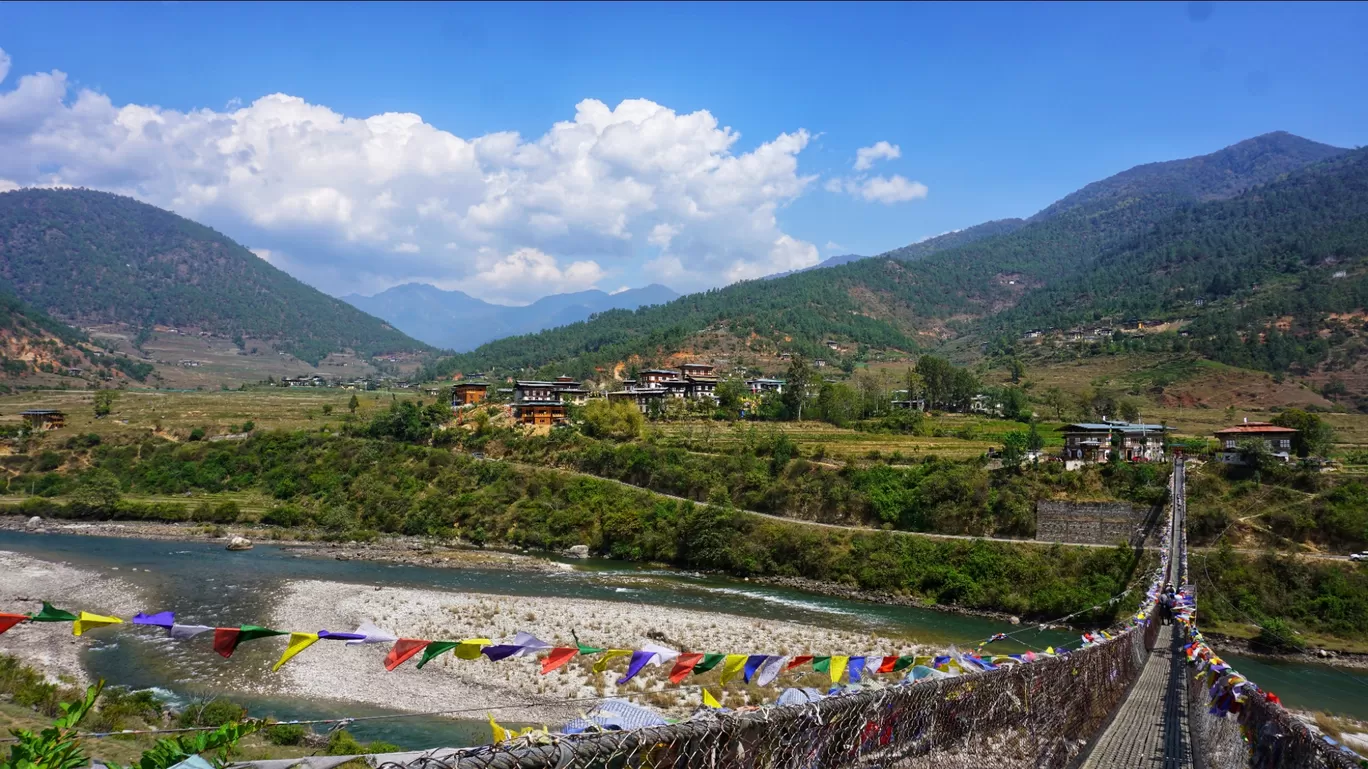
pixel 205 584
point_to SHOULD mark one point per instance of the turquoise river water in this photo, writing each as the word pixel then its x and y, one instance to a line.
pixel 204 584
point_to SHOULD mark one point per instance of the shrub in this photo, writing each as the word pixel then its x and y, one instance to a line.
pixel 215 712
pixel 286 734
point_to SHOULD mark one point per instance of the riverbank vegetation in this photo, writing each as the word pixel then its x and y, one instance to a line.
pixel 343 487
pixel 1281 507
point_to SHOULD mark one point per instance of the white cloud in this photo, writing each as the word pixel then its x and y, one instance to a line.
pixel 265 253
pixel 879 189
pixel 894 189
pixel 619 290
pixel 866 157
pixel 514 214
pixel 832 245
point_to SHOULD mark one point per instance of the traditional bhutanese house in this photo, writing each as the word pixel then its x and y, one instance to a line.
pixel 640 397
pixel 675 388
pixel 43 419
pixel 1098 441
pixel 1278 440
pixel 759 386
pixel 697 369
pixel 569 391
pixel 537 403
pixel 702 387
pixel 656 376
pixel 468 393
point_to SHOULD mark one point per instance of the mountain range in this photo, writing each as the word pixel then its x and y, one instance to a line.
pixel 1071 260
pixel 87 257
pixel 457 321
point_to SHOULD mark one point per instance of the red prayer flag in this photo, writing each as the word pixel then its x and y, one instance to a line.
pixel 888 663
pixel 558 657
pixel 225 640
pixel 799 660
pixel 8 621
pixel 683 665
pixel 403 649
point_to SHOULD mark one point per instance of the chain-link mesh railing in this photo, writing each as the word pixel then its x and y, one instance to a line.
pixel 1261 734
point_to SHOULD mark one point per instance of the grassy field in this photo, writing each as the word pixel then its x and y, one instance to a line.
pixel 175 414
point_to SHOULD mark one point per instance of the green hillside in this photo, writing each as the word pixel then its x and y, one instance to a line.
pixel 890 302
pixel 92 257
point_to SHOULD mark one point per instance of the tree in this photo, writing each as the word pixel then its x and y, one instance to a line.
pixel 1314 436
pixel 1017 370
pixel 353 404
pixel 613 420
pixel 730 395
pixel 1057 401
pixel 1014 449
pixel 1034 440
pixel 937 376
pixel 1129 409
pixel 104 402
pixel 836 403
pixel 1014 404
pixel 963 387
pixel 98 490
pixel 797 386
pixel 327 409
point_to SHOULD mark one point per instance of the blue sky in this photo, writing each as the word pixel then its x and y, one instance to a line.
pixel 996 109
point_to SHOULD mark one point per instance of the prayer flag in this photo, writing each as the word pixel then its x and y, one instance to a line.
pixel 856 667
pixel 298 643
pixel 801 659
pixel 227 639
pixel 185 632
pixel 753 664
pixel 838 666
pixel 683 665
pixel 589 649
pixel 639 660
pixel 821 664
pixel 708 662
pixel 502 651
pixel 660 653
pixel 903 663
pixel 886 665
pixel 709 700
pixel 500 733
pixel 161 619
pixel 731 666
pixel 609 656
pixel 331 636
pixel 403 649
pixel 370 634
pixel 8 621
pixel 469 649
pixel 51 613
pixel 770 670
pixel 88 621
pixel 558 657
pixel 436 649
pixel 530 644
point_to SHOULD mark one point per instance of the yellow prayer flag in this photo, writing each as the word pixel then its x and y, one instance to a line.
pixel 609 656
pixel 500 733
pixel 86 621
pixel 709 700
pixel 838 666
pixel 469 649
pixel 732 665
pixel 298 643
pixel 1049 650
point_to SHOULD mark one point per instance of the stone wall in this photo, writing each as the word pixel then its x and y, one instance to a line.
pixel 1092 523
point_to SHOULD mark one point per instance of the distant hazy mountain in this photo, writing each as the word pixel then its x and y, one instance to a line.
pixel 460 322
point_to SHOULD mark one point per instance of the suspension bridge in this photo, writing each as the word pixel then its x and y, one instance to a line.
pixel 1133 699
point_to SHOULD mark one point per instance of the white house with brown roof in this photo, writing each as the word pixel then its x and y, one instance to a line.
pixel 1278 440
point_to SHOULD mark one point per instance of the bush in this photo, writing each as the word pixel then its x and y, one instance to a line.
pixel 197 434
pixel 286 734
pixel 215 712
pixel 613 420
pixel 286 516
pixel 1278 637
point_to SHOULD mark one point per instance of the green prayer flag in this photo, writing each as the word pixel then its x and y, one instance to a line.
pixel 903 663
pixel 253 632
pixel 709 662
pixel 436 649
pixel 821 664
pixel 589 649
pixel 52 614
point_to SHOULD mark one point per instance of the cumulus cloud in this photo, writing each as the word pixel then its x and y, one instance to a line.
pixel 866 157
pixel 363 203
pixel 879 189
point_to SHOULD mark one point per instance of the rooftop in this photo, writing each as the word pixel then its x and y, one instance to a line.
pixel 1122 427
pixel 1256 428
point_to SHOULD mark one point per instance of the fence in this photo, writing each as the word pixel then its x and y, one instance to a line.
pixel 1263 735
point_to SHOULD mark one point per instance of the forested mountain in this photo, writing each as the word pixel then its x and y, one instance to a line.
pixel 891 302
pixel 1258 274
pixel 92 257
pixel 457 321
pixel 32 343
